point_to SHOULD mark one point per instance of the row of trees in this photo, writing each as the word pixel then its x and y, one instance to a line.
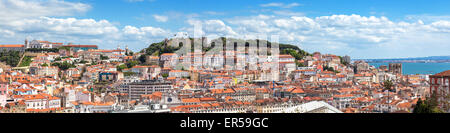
pixel 327 68
pixel 102 57
pixel 63 66
pixel 11 58
pixel 26 61
pixel 295 52
pixel 429 105
pixel 35 50
pixel 156 49
pixel 129 64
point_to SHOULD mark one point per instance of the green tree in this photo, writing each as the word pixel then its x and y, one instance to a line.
pixel 35 50
pixel 103 57
pixel 421 107
pixel 427 106
pixel 299 64
pixel 165 75
pixel 128 73
pixel 63 66
pixel 387 85
pixel 11 58
pixel 121 67
pixel 132 63
pixel 142 58
pixel 26 61
pixel 327 68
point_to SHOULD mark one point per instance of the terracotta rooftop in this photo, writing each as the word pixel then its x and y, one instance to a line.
pixel 11 46
pixel 444 73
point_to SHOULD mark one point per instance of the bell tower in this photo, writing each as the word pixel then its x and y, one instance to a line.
pixel 26 45
pixel 126 50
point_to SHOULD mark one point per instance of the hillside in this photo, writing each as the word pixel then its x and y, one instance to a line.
pixel 156 49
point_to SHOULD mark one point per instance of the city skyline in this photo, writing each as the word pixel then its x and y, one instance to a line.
pixel 361 29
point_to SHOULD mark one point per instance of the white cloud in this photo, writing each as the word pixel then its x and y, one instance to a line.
pixel 355 35
pixel 6 33
pixel 272 5
pixel 18 9
pixel 292 5
pixel 160 18
pixel 68 26
pixel 215 28
pixel 288 13
pixel 441 26
pixel 38 20
pixel 280 5
pixel 144 33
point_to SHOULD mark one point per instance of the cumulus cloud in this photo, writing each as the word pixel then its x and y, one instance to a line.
pixel 41 20
pixel 441 26
pixel 353 34
pixel 145 32
pixel 288 13
pixel 208 28
pixel 18 9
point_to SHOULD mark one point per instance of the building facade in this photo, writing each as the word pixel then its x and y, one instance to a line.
pixel 12 47
pixel 439 86
pixel 144 87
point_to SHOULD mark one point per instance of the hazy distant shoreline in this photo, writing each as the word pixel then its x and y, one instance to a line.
pixel 411 68
pixel 430 59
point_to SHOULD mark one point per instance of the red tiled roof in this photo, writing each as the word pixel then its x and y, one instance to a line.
pixel 444 73
pixel 11 46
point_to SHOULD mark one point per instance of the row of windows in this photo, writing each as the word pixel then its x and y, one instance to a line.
pixel 439 81
pixel 222 110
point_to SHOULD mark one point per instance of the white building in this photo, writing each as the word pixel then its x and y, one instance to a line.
pixel 42 44
pixel 312 107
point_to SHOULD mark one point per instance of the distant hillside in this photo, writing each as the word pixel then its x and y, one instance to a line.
pixel 415 59
pixel 159 48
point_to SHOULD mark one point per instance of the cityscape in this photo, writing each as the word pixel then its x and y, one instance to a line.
pixel 210 67
pixel 50 77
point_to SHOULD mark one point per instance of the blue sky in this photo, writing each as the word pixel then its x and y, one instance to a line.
pixel 359 28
